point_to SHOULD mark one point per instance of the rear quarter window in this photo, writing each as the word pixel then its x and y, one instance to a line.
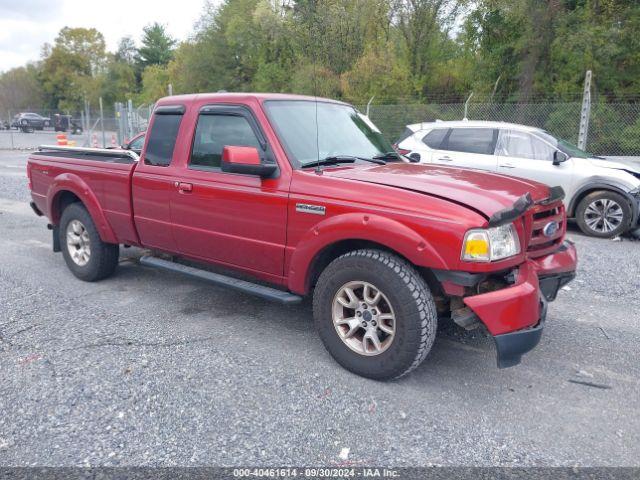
pixel 472 140
pixel 434 138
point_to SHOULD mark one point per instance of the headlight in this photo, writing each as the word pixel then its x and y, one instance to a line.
pixel 488 245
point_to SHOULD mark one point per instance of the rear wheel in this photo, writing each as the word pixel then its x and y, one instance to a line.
pixel 375 314
pixel 87 256
pixel 603 214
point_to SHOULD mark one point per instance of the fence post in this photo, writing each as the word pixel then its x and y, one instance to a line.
pixel 585 112
pixel 11 131
pixel 130 119
pixel 466 107
pixel 104 138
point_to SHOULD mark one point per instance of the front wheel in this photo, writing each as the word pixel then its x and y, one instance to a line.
pixel 375 314
pixel 87 256
pixel 603 214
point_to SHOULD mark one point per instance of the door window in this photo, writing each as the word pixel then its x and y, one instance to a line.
pixel 434 138
pixel 162 139
pixel 214 132
pixel 471 140
pixel 523 145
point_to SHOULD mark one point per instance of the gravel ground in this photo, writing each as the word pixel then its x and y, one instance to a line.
pixel 148 368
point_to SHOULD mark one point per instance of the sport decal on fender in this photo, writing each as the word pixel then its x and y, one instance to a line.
pixel 314 209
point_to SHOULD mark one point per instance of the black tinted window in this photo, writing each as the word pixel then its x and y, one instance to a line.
pixel 434 138
pixel 472 140
pixel 214 132
pixel 162 139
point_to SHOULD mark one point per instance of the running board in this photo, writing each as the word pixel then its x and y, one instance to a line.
pixel 261 291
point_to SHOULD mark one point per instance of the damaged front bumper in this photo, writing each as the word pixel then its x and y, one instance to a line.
pixel 515 314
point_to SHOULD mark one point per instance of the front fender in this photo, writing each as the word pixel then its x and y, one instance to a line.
pixel 73 183
pixel 358 226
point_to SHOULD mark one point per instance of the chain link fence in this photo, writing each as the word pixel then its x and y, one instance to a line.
pixel 87 128
pixel 614 128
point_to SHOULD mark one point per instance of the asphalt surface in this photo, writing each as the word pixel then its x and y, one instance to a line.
pixel 149 368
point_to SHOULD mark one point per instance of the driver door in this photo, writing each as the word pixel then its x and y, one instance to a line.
pixel 525 155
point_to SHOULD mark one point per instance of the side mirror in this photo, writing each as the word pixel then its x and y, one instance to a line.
pixel 559 157
pixel 414 157
pixel 246 161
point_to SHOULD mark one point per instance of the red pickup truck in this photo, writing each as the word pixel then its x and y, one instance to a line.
pixel 304 196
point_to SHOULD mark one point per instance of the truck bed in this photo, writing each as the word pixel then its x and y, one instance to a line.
pixel 100 177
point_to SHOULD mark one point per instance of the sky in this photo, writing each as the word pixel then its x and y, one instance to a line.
pixel 25 25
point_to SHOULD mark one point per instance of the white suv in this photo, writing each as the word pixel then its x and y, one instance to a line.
pixel 602 195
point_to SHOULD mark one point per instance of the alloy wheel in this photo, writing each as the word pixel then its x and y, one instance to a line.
pixel 364 318
pixel 78 243
pixel 603 215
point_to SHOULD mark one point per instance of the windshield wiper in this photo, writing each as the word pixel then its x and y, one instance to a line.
pixel 337 159
pixel 332 160
pixel 387 156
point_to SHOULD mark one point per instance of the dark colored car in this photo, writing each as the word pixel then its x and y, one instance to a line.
pixel 30 121
pixel 64 123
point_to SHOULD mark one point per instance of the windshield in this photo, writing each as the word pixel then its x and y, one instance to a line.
pixel 341 132
pixel 564 146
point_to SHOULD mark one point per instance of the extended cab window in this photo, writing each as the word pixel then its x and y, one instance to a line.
pixel 471 140
pixel 434 138
pixel 162 139
pixel 214 132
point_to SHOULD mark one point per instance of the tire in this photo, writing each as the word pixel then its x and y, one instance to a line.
pixel 617 214
pixel 404 295
pixel 101 259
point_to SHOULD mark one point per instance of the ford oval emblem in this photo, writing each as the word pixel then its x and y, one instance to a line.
pixel 550 229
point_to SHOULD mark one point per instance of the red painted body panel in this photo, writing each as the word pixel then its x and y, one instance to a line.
pixel 517 307
pixel 253 224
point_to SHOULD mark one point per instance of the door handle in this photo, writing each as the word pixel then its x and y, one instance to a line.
pixel 184 187
pixel 507 165
pixel 446 159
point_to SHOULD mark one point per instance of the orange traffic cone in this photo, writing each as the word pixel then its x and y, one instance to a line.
pixel 62 139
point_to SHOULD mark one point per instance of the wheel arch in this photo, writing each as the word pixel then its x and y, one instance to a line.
pixel 69 188
pixel 598 187
pixel 339 235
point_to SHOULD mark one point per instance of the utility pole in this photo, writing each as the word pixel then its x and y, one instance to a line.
pixel 585 112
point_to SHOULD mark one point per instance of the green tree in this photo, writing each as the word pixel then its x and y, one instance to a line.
pixel 70 68
pixel 157 46
pixel 20 89
pixel 155 80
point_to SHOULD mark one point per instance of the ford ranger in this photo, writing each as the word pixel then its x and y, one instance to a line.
pixel 284 196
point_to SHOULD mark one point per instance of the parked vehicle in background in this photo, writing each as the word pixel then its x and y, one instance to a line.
pixel 64 123
pixel 306 195
pixel 602 195
pixel 136 143
pixel 30 121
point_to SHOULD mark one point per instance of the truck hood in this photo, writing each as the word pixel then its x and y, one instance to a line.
pixel 485 192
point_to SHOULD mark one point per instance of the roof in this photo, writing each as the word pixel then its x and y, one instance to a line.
pixel 469 123
pixel 224 96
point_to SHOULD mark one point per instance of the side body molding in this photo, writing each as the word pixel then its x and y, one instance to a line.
pixel 357 226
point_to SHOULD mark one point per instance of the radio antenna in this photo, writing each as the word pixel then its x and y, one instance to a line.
pixel 314 30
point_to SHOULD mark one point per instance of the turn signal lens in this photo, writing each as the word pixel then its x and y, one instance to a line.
pixel 476 247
